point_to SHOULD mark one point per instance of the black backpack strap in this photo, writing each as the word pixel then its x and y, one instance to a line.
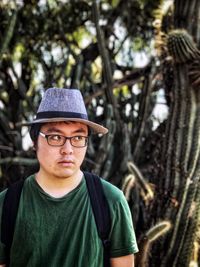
pixel 101 212
pixel 9 215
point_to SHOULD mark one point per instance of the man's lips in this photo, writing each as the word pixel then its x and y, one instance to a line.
pixel 66 161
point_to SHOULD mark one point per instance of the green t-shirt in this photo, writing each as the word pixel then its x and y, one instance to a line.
pixel 61 232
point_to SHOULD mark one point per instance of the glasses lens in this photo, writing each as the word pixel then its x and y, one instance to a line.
pixel 79 141
pixel 56 140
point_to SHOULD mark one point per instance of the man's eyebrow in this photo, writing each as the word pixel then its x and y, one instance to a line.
pixel 80 130
pixel 54 129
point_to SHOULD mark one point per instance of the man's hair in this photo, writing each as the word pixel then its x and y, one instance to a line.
pixel 34 131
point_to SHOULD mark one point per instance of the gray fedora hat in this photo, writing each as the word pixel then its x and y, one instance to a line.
pixel 60 104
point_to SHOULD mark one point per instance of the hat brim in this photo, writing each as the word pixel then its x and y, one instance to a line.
pixel 97 128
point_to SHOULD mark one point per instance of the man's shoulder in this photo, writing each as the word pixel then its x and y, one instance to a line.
pixel 112 192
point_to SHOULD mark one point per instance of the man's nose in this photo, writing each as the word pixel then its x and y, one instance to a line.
pixel 67 148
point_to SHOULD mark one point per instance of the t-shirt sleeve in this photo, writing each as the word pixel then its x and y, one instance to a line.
pixel 122 235
pixel 2 246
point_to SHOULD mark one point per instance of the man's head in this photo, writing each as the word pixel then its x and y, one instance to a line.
pixel 60 132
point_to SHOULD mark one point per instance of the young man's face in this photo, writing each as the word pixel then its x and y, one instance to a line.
pixel 64 161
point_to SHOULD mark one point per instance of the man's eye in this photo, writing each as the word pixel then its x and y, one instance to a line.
pixel 78 138
pixel 55 137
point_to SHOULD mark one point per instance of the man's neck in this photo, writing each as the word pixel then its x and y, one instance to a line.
pixel 57 186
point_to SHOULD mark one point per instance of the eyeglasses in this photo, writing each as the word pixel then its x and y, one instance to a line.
pixel 60 140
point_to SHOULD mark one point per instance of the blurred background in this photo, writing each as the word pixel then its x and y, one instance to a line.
pixel 137 64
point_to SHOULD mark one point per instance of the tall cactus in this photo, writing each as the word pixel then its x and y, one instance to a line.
pixel 182 155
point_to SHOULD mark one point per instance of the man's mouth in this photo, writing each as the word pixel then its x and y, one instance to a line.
pixel 66 162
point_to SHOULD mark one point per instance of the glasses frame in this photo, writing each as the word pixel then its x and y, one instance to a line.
pixel 46 136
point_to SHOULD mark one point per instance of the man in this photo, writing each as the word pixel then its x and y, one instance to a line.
pixel 55 226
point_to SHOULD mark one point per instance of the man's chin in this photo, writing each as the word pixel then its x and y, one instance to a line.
pixel 65 174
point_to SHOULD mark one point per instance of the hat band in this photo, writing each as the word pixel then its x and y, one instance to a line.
pixel 61 114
